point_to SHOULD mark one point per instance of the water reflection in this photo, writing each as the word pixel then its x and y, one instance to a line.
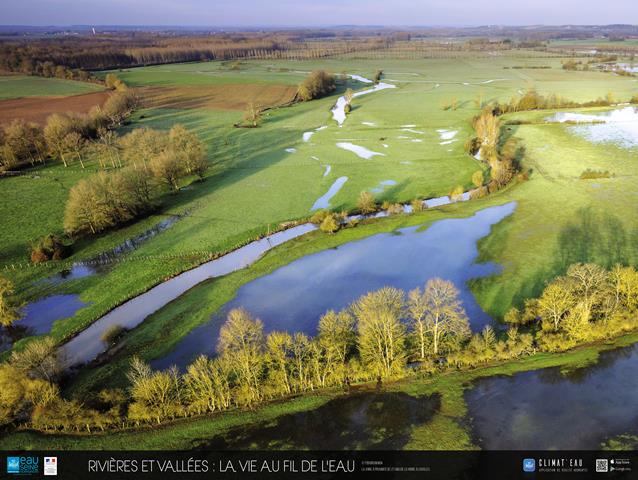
pixel 293 297
pixel 88 344
pixel 38 317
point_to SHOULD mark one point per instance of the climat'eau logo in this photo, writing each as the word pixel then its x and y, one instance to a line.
pixel 529 465
pixel 23 465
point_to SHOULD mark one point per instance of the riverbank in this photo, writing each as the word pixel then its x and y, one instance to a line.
pixel 448 429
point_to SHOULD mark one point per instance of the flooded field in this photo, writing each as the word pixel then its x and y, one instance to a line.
pixel 367 420
pixel 545 409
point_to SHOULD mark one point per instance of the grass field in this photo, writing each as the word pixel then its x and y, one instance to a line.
pixel 159 334
pixel 593 42
pixel 560 218
pixel 19 86
pixel 33 99
pixel 254 183
pixel 261 177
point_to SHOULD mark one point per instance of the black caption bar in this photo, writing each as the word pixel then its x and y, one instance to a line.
pixel 168 465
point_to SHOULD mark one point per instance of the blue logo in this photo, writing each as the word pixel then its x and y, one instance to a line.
pixel 22 465
pixel 529 465
pixel 13 464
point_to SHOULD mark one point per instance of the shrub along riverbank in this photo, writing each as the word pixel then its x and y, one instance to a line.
pixel 444 431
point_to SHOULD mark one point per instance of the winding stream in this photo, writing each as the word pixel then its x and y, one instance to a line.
pixel 339 110
pixel 87 344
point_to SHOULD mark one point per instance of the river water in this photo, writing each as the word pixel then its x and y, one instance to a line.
pixel 363 420
pixel 88 344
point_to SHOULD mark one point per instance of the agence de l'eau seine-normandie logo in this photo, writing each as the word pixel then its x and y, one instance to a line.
pixel 23 465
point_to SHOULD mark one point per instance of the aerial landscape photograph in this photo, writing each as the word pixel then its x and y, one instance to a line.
pixel 319 239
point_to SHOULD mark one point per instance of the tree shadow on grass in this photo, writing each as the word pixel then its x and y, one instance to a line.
pixel 591 236
pixel 249 156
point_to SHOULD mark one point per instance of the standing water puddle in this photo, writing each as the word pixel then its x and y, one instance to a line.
pixel 293 297
pixel 382 185
pixel 38 317
pixel 616 126
pixel 359 151
pixel 324 201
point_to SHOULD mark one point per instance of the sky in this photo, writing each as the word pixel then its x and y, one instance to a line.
pixel 316 12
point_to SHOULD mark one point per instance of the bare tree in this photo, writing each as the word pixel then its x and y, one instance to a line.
pixel 381 331
pixel 252 115
pixel 555 302
pixel 437 315
pixel 241 341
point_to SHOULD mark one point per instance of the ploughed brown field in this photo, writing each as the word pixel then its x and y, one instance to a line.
pixel 37 109
pixel 221 97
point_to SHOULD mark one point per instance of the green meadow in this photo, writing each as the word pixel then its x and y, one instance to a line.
pixel 18 86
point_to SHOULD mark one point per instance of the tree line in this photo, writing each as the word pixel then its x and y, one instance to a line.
pixel 503 156
pixel 64 137
pixel 73 58
pixel 149 159
pixel 586 304
pixel 385 334
pixel 532 100
pixel 138 163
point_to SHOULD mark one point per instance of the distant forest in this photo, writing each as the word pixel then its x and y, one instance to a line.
pixel 72 53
